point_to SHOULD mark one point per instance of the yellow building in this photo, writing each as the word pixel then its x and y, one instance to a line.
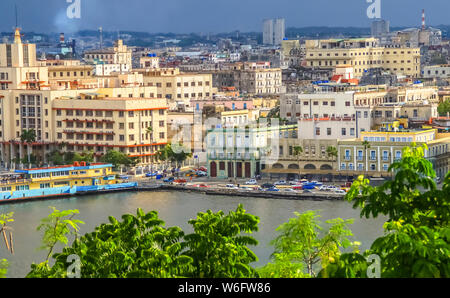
pixel 375 151
pixel 80 116
pixel 98 124
pixel 362 54
pixel 178 88
pixel 118 54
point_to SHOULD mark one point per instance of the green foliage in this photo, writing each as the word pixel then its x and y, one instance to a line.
pixel 6 218
pixel 298 150
pixel 403 197
pixel 332 151
pixel 28 136
pixel 417 233
pixel 444 107
pixel 299 245
pixel 117 159
pixel 69 157
pixel 3 268
pixel 57 226
pixel 176 153
pixel 282 267
pixel 217 247
pixel 140 246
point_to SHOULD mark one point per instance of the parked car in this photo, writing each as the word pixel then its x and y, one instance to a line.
pixel 180 181
pixel 201 174
pixel 232 186
pixel 288 190
pixel 340 191
pixel 151 174
pixel 297 187
pixel 281 182
pixel 170 179
pixel 267 185
pixel 307 191
pixel 124 177
pixel 251 182
pixel 272 189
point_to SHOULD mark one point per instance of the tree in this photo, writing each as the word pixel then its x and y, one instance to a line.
pixel 140 246
pixel 117 159
pixel 4 220
pixel 299 246
pixel 298 150
pixel 332 152
pixel 217 248
pixel 28 137
pixel 177 154
pixel 444 107
pixel 366 145
pixel 57 226
pixel 417 234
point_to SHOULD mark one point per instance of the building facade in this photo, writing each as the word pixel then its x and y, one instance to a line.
pixel 362 54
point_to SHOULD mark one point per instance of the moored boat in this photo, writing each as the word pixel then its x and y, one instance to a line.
pixel 81 177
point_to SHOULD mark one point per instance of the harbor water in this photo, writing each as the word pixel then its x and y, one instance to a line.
pixel 175 208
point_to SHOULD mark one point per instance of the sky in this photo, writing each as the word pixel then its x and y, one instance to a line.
pixel 202 16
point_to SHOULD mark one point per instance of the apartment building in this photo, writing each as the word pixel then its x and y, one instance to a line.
pixel 294 106
pixel 71 77
pixel 100 124
pixel 375 151
pixel 273 31
pixel 313 160
pixel 256 79
pixel 245 151
pixel 436 71
pixel 75 116
pixel 119 54
pixel 178 88
pixel 362 54
pixel 372 107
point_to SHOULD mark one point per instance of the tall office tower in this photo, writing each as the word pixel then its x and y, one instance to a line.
pixel 380 27
pixel 273 31
pixel 278 31
pixel 268 31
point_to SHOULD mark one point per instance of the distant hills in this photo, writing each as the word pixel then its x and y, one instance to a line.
pixel 323 32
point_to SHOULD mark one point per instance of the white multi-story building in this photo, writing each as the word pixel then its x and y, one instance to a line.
pixel 436 71
pixel 273 31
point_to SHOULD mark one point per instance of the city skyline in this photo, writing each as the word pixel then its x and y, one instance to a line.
pixel 154 17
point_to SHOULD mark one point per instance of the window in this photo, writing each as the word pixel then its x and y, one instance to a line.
pixel 317 131
pixel 347 154
pixel 329 131
pixel 344 131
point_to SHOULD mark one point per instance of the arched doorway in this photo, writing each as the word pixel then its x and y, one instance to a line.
pixel 326 167
pixel 278 166
pixel 310 167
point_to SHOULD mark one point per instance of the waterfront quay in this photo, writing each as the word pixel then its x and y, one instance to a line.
pixel 219 187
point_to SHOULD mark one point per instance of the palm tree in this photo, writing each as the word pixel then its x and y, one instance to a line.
pixel 366 145
pixel 332 152
pixel 28 137
pixel 298 150
pixel 149 131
